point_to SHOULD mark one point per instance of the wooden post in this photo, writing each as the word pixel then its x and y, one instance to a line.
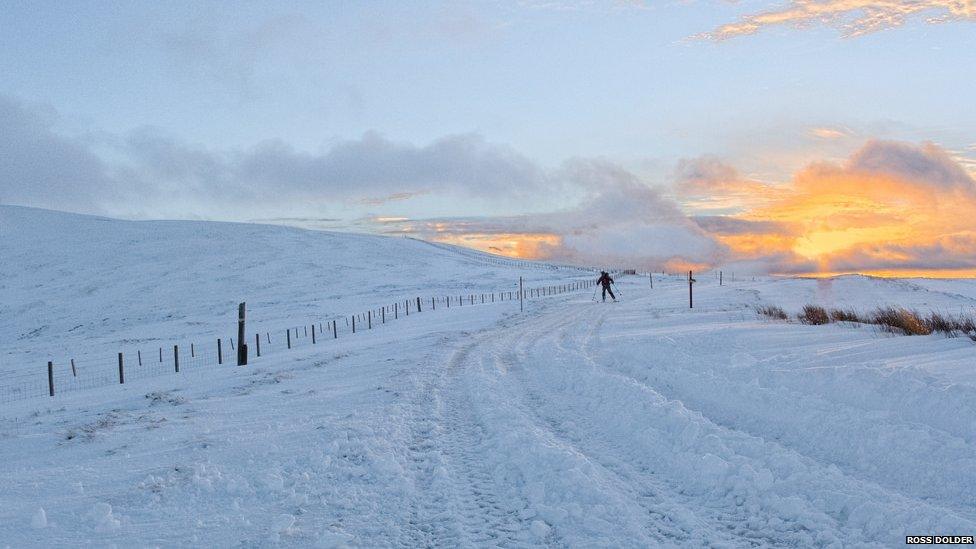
pixel 139 354
pixel 369 319
pixel 406 307
pixel 383 314
pixel 193 352
pixel 448 302
pixel 288 335
pixel 521 304
pixel 176 357
pixel 242 347
pixel 50 377
pixel 691 297
pixel 268 335
pixel 160 355
pixel 121 370
pixel 396 310
pixel 353 323
pixel 335 331
pixel 650 276
pixel 720 278
pixel 257 345
pixel 418 305
pixel 220 352
pixel 313 334
pixel 433 305
pixel 306 331
pixel 74 372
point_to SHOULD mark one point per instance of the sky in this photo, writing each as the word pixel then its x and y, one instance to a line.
pixel 798 136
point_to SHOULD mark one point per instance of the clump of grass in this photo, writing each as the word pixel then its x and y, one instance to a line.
pixel 901 320
pixel 848 315
pixel 943 324
pixel 814 314
pixel 772 311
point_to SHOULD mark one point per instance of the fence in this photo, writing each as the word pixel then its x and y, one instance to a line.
pixel 98 369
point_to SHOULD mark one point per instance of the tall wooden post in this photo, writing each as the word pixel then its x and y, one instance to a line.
pixel 121 370
pixel 313 334
pixel 418 305
pixel 288 337
pixel 50 377
pixel 257 345
pixel 691 297
pixel 521 301
pixel 720 278
pixel 176 357
pixel 241 337
pixel 220 352
pixel 335 331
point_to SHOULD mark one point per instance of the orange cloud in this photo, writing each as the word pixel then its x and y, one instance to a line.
pixel 891 208
pixel 851 17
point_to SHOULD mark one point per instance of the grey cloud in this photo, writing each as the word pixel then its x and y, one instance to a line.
pixel 39 167
pixel 928 164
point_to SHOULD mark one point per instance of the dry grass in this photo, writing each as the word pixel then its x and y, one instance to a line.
pixel 901 320
pixel 772 311
pixel 842 315
pixel 893 319
pixel 814 314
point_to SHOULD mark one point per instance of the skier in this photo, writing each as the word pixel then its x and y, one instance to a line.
pixel 605 280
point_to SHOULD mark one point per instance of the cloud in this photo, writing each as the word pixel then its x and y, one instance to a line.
pixel 829 133
pixel 620 221
pixel 891 207
pixel 147 172
pixel 708 184
pixel 40 167
pixel 851 17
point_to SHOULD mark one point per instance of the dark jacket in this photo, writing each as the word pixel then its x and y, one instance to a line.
pixel 605 280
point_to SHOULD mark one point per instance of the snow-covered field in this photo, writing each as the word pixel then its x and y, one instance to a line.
pixel 575 423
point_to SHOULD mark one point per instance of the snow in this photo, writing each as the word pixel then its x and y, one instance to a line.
pixel 575 423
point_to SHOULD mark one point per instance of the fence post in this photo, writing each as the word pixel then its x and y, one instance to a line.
pixel 241 346
pixel 193 352
pixel 160 355
pixel 691 298
pixel 220 352
pixel 50 377
pixel 396 310
pixel 418 305
pixel 433 305
pixel 521 303
pixel 257 345
pixel 288 335
pixel 650 276
pixel 74 373
pixel 176 357
pixel 335 331
pixel 139 354
pixel 121 370
pixel 383 314
pixel 313 334
pixel 353 323
pixel 369 319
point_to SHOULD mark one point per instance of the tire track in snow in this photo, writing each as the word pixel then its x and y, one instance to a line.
pixel 671 517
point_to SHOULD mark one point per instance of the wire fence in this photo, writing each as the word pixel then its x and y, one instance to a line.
pixel 99 368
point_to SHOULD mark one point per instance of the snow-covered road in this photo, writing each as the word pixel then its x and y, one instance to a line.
pixel 634 424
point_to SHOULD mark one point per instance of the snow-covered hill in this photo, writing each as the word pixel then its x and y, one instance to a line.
pixel 574 423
